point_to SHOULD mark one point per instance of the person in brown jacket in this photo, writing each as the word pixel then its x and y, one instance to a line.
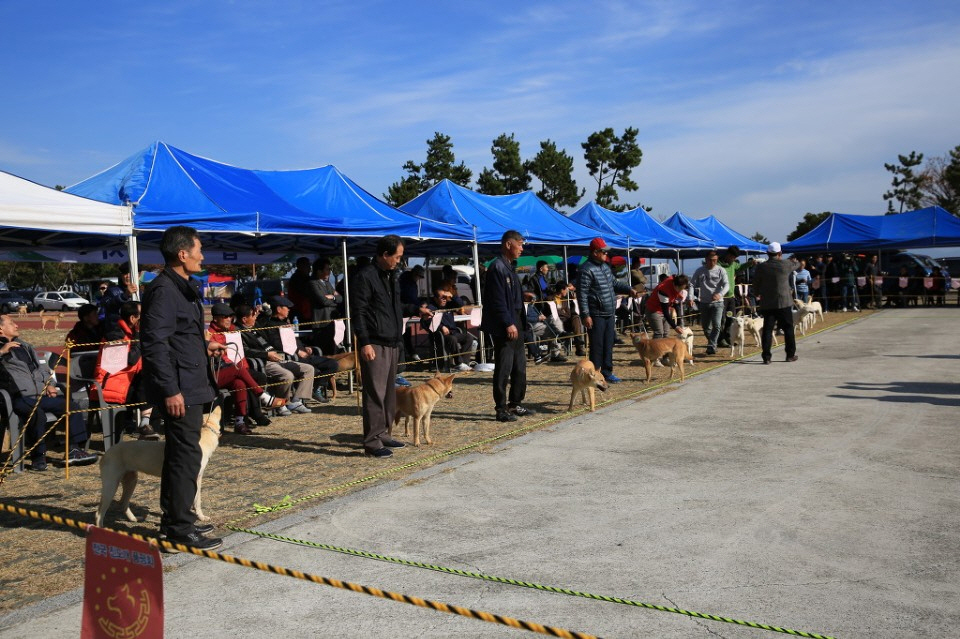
pixel 772 286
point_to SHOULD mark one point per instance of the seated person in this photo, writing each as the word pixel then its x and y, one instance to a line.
pixel 289 379
pixel 86 333
pixel 126 386
pixel 449 337
pixel 543 327
pixel 235 375
pixel 323 367
pixel 32 389
pixel 563 293
pixel 116 294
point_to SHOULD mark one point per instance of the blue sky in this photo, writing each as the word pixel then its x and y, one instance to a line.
pixel 756 112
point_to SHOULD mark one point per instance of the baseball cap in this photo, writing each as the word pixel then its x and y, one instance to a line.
pixel 221 310
pixel 279 300
pixel 597 243
pixel 774 248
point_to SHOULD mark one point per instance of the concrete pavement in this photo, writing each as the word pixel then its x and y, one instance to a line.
pixel 820 496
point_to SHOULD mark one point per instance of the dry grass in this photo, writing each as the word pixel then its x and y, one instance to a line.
pixel 316 457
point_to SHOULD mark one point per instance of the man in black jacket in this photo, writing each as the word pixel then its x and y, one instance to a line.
pixel 377 319
pixel 180 380
pixel 505 321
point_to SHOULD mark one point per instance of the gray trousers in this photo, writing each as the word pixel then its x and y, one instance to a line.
pixel 379 394
pixel 285 376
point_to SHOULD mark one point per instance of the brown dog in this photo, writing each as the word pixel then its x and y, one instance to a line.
pixel 586 379
pixel 417 402
pixel 346 362
pixel 50 319
pixel 671 350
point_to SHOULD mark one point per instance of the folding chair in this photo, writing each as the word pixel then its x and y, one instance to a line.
pixel 82 372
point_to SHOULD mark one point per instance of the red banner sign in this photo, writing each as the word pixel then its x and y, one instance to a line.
pixel 123 588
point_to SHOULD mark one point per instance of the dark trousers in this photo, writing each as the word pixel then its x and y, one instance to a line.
pixel 379 394
pixel 181 465
pixel 323 368
pixel 33 431
pixel 602 336
pixel 729 311
pixel 510 367
pixel 782 317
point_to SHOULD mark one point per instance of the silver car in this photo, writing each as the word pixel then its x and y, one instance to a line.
pixel 58 301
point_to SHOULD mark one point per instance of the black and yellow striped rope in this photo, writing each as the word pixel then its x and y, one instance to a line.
pixel 439 606
pixel 534 586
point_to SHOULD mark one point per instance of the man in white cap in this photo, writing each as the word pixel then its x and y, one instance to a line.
pixel 772 286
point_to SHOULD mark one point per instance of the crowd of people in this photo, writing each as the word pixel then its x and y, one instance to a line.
pixel 250 355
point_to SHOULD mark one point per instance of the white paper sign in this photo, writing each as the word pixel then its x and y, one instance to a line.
pixel 861 281
pixel 904 282
pixel 113 357
pixel 288 339
pixel 234 346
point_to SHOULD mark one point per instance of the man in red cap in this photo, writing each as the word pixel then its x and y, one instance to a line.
pixel 597 296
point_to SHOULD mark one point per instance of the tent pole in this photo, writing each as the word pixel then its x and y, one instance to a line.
pixel 134 260
pixel 482 366
pixel 348 331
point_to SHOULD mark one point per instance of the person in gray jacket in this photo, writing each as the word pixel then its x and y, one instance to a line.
pixel 710 281
pixel 33 391
pixel 771 285
pixel 596 295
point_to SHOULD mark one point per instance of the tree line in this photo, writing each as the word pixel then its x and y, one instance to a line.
pixel 610 159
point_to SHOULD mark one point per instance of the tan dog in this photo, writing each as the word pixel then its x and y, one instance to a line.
pixel 22 310
pixel 754 326
pixel 50 319
pixel 587 380
pixel 346 362
pixel 670 350
pixel 124 461
pixel 417 402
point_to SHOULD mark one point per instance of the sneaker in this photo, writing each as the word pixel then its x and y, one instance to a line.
pixel 843 310
pixel 401 381
pixel 856 309
pixel 39 465
pixel 415 358
pixel 505 416
pixel 82 457
pixel 473 346
pixel 557 357
pixel 283 411
pixel 378 452
pixel 520 411
pixel 145 431
pixel 539 359
pixel 320 395
pixel 463 368
pixel 193 540
pixel 612 379
pixel 299 409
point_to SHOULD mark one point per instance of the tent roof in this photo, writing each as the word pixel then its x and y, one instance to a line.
pixel 252 209
pixel 713 230
pixel 924 228
pixel 34 217
pixel 489 216
pixel 643 231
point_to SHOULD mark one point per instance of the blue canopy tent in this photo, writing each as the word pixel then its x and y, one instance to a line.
pixel 924 228
pixel 642 231
pixel 243 209
pixel 714 230
pixel 489 216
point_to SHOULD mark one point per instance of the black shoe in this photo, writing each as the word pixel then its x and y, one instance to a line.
pixel 194 540
pixel 82 457
pixel 391 443
pixel 505 416
pixel 539 359
pixel 793 358
pixel 38 465
pixel 557 358
pixel 711 350
pixel 242 429
pixel 203 529
pixel 377 452
pixel 520 411
pixel 263 420
pixel 766 361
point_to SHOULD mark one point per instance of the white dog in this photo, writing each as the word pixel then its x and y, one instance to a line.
pixel 122 463
pixel 687 338
pixel 814 310
pixel 736 336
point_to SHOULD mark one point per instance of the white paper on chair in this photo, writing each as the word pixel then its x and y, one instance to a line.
pixel 113 357
pixel 234 346
pixel 435 321
pixel 288 339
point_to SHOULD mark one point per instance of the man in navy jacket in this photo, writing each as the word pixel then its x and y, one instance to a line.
pixel 179 379
pixel 506 322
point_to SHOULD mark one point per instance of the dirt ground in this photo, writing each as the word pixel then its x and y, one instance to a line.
pixel 303 458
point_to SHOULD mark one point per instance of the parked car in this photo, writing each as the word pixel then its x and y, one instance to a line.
pixel 58 301
pixel 890 263
pixel 11 301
